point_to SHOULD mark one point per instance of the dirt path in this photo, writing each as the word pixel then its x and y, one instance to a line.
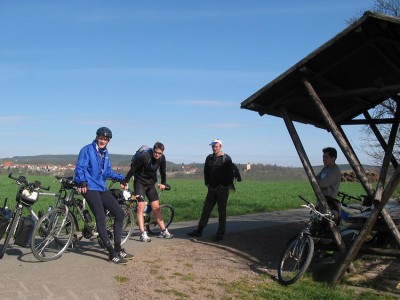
pixel 202 269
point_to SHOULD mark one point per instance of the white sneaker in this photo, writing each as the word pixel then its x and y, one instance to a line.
pixel 144 237
pixel 165 234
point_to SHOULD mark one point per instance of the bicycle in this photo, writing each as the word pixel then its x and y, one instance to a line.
pixel 297 257
pixel 27 195
pixel 150 221
pixel 60 228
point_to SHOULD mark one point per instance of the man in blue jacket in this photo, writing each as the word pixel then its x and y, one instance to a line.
pixel 91 173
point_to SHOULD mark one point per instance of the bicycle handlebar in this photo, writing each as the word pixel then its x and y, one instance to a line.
pixel 21 180
pixel 345 196
pixel 311 207
pixel 167 187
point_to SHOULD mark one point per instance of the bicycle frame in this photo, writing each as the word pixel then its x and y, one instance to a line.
pixel 27 202
pixel 60 228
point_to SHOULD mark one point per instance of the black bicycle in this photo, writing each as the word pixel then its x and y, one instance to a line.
pixel 297 257
pixel 150 221
pixel 66 224
pixel 27 195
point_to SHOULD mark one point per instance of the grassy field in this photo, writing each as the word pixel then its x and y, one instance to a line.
pixel 187 195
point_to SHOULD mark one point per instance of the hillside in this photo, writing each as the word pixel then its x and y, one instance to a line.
pixel 193 170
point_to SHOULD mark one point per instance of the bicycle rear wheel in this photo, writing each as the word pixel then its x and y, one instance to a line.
pixel 10 232
pixel 168 215
pixel 296 259
pixel 52 235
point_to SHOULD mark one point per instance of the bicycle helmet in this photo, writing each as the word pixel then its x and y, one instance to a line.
pixel 104 131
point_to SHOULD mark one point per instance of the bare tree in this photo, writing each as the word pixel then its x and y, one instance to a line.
pixel 387 109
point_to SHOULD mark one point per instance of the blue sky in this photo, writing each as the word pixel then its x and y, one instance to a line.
pixel 169 71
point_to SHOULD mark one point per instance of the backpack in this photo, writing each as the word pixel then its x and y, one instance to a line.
pixel 142 149
pixel 235 169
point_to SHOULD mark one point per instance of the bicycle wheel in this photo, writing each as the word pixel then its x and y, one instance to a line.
pixel 127 226
pixel 52 235
pixel 129 220
pixel 295 260
pixel 168 215
pixel 10 232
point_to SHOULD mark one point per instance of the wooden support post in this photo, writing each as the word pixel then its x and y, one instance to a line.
pixel 379 137
pixel 311 176
pixel 347 151
pixel 383 174
pixel 367 227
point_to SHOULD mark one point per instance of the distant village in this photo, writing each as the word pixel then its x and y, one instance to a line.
pixel 53 169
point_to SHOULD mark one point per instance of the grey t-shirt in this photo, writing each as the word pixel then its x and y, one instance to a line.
pixel 329 180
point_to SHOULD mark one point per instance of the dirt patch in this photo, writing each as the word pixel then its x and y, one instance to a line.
pixel 202 269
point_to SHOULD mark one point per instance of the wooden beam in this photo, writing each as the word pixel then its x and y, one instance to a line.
pixel 311 176
pixel 346 149
pixel 380 138
pixel 367 227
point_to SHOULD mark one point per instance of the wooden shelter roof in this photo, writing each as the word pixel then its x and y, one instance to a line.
pixel 352 73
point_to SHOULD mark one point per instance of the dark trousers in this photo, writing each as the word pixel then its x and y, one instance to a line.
pixel 98 202
pixel 217 196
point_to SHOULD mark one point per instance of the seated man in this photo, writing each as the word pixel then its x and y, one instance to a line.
pixel 329 179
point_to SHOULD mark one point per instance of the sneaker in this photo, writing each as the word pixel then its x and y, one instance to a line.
pixel 165 234
pixel 194 233
pixel 116 259
pixel 144 238
pixel 125 255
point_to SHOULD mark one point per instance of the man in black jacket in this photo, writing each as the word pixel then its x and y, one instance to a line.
pixel 144 169
pixel 218 176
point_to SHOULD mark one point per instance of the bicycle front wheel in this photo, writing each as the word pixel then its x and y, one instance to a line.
pixel 296 260
pixel 127 227
pixel 52 235
pixel 129 220
pixel 167 213
pixel 10 232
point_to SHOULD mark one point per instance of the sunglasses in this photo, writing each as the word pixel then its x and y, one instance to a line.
pixel 159 153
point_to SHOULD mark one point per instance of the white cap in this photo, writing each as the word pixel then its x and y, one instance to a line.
pixel 216 141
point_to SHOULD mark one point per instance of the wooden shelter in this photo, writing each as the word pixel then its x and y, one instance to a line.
pixel 336 85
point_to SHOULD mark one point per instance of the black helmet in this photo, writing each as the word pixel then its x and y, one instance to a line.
pixel 104 131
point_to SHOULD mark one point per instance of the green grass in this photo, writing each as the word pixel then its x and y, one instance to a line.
pixel 121 279
pixel 187 195
pixel 303 289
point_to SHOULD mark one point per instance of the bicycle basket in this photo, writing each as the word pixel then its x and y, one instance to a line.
pixel 29 196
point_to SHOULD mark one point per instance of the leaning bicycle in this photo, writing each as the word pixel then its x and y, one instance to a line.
pixel 297 257
pixel 27 194
pixel 65 225
pixel 150 221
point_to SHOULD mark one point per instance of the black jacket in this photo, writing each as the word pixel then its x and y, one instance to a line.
pixel 144 169
pixel 218 170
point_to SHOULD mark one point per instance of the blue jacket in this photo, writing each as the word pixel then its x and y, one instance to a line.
pixel 94 169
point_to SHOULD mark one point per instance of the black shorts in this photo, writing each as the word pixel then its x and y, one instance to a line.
pixel 145 190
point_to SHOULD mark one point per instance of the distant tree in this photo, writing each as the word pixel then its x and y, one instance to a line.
pixel 388 108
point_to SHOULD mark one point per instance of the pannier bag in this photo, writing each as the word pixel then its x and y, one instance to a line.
pixel 3 224
pixel 23 234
